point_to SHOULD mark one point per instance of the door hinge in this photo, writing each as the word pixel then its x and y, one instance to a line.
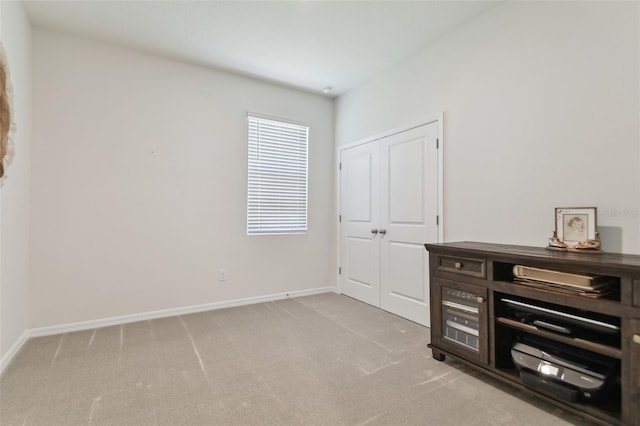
pixel 339 270
pixel 437 220
pixel 340 166
pixel 339 218
pixel 437 143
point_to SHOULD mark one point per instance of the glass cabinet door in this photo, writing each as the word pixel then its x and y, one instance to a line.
pixel 460 317
pixel 461 325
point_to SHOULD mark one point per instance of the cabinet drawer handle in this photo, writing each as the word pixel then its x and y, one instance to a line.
pixel 458 265
pixel 480 299
pixel 636 338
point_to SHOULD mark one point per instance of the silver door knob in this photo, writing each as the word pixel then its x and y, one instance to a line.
pixel 383 231
pixel 374 231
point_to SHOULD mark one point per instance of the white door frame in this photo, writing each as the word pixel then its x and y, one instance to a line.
pixel 439 118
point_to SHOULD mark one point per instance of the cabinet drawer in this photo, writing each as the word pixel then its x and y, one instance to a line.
pixel 462 265
pixel 636 292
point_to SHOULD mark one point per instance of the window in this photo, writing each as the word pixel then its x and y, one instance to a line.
pixel 277 181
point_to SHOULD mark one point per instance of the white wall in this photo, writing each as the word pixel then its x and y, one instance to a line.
pixel 15 32
pixel 139 185
pixel 541 111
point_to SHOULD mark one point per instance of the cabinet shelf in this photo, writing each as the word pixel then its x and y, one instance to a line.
pixel 601 306
pixel 580 343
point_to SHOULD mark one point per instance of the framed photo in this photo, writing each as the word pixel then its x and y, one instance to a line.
pixel 576 224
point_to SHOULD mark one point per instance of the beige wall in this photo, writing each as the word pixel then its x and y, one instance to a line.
pixel 139 185
pixel 541 111
pixel 15 33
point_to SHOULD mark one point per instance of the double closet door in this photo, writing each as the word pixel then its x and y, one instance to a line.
pixel 388 208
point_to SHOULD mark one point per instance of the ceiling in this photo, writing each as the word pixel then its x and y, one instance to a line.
pixel 308 45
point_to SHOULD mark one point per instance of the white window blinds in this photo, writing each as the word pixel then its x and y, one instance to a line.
pixel 277 184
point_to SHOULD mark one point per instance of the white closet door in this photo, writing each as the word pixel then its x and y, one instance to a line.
pixel 409 197
pixel 359 203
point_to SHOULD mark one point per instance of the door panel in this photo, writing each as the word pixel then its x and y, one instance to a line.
pixel 358 171
pixel 409 208
pixel 359 247
pixel 406 267
pixel 360 268
pixel 406 165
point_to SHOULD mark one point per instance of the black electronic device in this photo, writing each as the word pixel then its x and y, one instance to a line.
pixel 565 371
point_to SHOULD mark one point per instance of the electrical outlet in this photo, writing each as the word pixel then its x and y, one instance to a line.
pixel 222 275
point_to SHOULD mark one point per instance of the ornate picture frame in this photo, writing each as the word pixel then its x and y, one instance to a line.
pixel 576 225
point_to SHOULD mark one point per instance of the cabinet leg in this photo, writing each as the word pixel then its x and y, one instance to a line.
pixel 437 355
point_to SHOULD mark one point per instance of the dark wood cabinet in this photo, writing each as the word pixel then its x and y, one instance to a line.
pixel 473 295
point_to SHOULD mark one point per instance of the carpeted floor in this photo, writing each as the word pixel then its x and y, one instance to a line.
pixel 317 360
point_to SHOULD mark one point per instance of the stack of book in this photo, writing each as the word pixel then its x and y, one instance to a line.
pixel 593 286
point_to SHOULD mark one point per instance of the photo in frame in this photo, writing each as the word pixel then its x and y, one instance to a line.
pixel 575 225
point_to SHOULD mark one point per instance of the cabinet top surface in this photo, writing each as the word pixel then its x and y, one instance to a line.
pixel 616 261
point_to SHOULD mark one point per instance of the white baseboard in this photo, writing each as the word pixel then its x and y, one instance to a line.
pixel 13 350
pixel 123 319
